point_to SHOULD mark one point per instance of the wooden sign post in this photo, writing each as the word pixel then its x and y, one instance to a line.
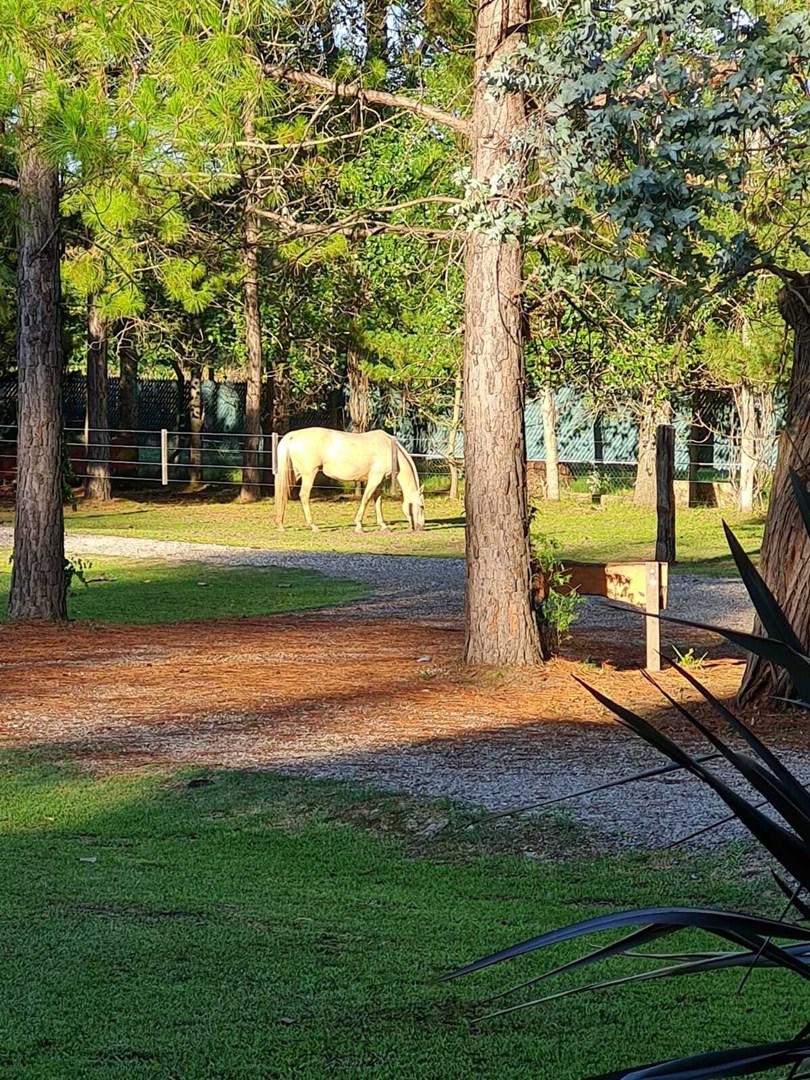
pixel 665 493
pixel 642 585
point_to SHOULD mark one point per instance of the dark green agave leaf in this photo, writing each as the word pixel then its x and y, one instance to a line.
pixel 742 1061
pixel 765 603
pixel 751 930
pixel 784 845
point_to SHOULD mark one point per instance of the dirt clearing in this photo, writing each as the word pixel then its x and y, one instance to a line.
pixel 383 703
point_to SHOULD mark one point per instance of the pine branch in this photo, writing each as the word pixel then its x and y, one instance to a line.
pixel 352 228
pixel 356 91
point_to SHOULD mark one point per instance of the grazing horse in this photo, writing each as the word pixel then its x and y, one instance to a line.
pixel 369 456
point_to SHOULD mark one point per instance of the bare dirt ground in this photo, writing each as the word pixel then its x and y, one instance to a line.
pixel 379 702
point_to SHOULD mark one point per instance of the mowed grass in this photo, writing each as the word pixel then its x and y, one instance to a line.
pixel 234 925
pixel 146 591
pixel 583 532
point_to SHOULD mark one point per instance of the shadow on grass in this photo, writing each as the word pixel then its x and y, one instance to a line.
pixel 203 923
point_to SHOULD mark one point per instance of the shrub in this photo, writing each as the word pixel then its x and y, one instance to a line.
pixel 558 606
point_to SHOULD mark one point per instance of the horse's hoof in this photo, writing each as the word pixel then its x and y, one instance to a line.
pixel 358 528
pixel 384 528
pixel 315 528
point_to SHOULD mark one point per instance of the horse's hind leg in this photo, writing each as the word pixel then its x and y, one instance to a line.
pixel 307 480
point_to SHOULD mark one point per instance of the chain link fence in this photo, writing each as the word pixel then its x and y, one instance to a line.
pixel 598 453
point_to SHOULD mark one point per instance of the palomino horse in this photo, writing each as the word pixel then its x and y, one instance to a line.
pixel 369 456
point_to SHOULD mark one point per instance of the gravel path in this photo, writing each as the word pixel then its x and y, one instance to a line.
pixel 411 587
pixel 491 768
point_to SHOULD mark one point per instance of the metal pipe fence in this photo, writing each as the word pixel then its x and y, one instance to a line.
pixel 176 459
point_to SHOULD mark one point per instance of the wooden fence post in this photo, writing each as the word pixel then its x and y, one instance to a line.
pixel 164 456
pixel 665 493
pixel 274 452
pixel 653 609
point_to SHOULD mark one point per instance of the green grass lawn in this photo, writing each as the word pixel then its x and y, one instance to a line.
pixel 614 532
pixel 145 591
pixel 234 925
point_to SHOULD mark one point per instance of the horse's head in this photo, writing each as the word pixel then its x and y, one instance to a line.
pixel 414 510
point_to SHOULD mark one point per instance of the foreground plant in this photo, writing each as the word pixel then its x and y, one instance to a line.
pixel 755 942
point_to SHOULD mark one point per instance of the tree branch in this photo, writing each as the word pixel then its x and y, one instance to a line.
pixel 9 182
pixel 353 228
pixel 356 91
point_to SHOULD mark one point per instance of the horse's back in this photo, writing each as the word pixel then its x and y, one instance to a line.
pixel 343 455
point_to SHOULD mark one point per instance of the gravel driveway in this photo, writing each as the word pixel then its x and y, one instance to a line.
pixel 410 587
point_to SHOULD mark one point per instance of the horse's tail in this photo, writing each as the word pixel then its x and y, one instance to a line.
pixel 284 479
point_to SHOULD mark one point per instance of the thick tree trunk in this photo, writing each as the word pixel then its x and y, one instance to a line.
pixel 196 417
pixel 251 466
pixel 785 557
pixel 548 405
pixel 38 568
pixel 99 483
pixel 452 435
pixel 500 627
pixel 128 390
pixel 653 414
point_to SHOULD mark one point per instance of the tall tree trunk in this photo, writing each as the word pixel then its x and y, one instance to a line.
pixel 38 568
pixel 548 404
pixel 251 470
pixel 653 414
pixel 359 401
pixel 359 404
pixel 196 417
pixel 785 557
pixel 99 484
pixel 128 390
pixel 452 434
pixel 746 405
pixel 268 427
pixel 500 627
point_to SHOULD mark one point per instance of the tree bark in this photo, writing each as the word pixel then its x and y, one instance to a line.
pixel 652 416
pixel 251 470
pixel 500 627
pixel 548 404
pixel 359 400
pixel 196 417
pixel 785 557
pixel 38 568
pixel 128 390
pixel 359 404
pixel 99 483
pixel 745 402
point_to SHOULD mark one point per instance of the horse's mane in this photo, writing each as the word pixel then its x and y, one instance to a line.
pixel 410 461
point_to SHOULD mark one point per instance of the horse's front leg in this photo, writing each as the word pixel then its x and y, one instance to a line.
pixel 378 508
pixel 306 488
pixel 371 486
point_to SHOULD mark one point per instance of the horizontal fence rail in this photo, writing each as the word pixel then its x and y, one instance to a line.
pixel 168 458
pixel 165 458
